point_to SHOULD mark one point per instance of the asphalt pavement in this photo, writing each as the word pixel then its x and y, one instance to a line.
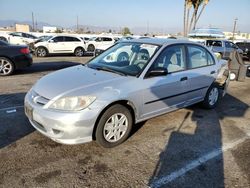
pixel 191 147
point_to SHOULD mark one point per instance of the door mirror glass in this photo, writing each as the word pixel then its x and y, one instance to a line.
pixel 159 71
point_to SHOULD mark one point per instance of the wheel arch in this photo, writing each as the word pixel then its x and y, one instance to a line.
pixel 126 103
pixel 9 60
pixel 43 47
pixel 79 47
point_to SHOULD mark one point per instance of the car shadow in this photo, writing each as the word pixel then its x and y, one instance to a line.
pixel 45 66
pixel 14 124
pixel 183 148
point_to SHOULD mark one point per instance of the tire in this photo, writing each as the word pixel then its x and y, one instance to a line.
pixel 6 67
pixel 108 132
pixel 91 48
pixel 212 97
pixel 123 56
pixel 41 52
pixel 79 52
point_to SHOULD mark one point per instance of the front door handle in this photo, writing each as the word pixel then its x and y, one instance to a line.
pixel 183 78
pixel 212 72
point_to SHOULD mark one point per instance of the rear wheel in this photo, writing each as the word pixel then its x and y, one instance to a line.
pixel 79 52
pixel 41 52
pixel 114 126
pixel 123 56
pixel 91 48
pixel 3 39
pixel 212 97
pixel 6 67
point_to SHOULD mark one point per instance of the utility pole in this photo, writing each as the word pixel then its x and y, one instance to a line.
pixel 147 28
pixel 33 23
pixel 77 24
pixel 235 22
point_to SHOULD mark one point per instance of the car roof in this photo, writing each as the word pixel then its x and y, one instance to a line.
pixel 160 41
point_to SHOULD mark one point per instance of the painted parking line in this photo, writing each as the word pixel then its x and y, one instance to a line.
pixel 195 163
pixel 11 108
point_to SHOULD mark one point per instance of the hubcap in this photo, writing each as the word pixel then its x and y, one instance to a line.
pixel 213 96
pixel 5 67
pixel 79 52
pixel 115 128
pixel 41 52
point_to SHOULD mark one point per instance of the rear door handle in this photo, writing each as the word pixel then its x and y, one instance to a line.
pixel 212 72
pixel 183 79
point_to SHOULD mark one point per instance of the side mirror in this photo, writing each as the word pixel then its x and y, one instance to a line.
pixel 159 71
pixel 51 41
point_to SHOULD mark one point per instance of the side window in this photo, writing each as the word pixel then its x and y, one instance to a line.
pixel 98 39
pixel 172 58
pixel 229 45
pixel 58 39
pixel 106 39
pixel 198 57
pixel 71 39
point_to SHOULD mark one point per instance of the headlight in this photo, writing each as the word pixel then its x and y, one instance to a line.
pixel 72 103
pixel 248 68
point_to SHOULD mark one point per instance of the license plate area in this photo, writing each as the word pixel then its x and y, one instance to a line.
pixel 28 111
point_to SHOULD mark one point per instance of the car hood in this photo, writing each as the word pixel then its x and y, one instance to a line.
pixel 74 80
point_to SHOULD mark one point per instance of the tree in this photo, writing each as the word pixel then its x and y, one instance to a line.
pixel 126 31
pixel 196 4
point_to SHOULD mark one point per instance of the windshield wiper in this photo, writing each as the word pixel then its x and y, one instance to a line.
pixel 110 70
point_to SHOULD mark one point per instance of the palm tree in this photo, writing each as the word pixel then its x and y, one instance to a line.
pixel 188 4
pixel 187 7
pixel 205 2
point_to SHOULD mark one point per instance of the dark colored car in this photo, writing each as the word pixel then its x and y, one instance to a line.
pixel 245 46
pixel 13 57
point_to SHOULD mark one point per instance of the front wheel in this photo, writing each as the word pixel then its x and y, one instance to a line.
pixel 6 67
pixel 212 98
pixel 114 126
pixel 41 52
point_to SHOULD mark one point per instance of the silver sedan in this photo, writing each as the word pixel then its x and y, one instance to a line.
pixel 128 83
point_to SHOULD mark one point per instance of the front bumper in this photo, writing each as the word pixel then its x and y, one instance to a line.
pixel 62 127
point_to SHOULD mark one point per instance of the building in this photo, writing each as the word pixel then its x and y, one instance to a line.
pixel 22 28
pixel 48 29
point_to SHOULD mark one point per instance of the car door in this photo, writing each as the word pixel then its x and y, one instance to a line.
pixel 16 38
pixel 166 93
pixel 201 72
pixel 71 43
pixel 56 45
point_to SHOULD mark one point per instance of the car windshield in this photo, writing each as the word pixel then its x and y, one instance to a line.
pixel 125 58
pixel 45 38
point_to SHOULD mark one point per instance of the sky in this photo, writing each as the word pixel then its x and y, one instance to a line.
pixel 165 14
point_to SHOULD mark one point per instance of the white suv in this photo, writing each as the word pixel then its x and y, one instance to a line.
pixel 60 44
pixel 95 43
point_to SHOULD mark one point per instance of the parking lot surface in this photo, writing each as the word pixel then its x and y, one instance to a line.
pixel 191 147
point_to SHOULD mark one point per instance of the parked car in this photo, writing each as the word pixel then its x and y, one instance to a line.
pixel 96 42
pixel 103 100
pixel 224 47
pixel 13 57
pixel 60 44
pixel 19 38
pixel 245 47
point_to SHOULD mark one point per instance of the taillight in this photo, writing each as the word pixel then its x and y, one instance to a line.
pixel 25 50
